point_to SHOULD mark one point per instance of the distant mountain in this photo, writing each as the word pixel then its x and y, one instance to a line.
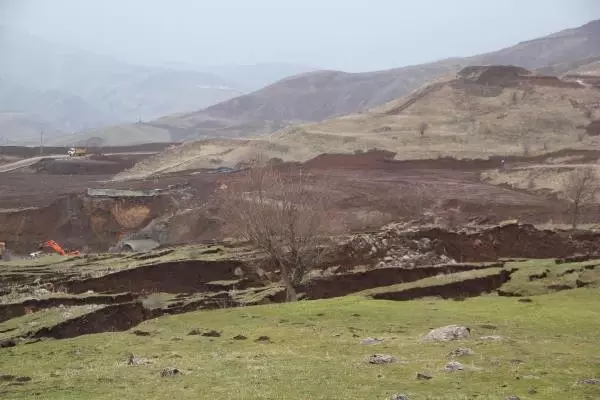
pixel 480 111
pixel 82 90
pixel 254 77
pixel 315 96
pixel 52 109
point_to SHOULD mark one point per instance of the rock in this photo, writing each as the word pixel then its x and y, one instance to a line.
pixel 488 326
pixel 590 381
pixel 491 337
pixel 454 366
pixel 532 391
pixel 512 397
pixel 263 339
pixel 461 352
pixel 447 333
pixel 23 379
pixel 7 377
pixel 132 360
pixel 399 396
pixel 239 337
pixel 380 359
pixel 370 340
pixel 41 292
pixel 170 372
pixel 424 376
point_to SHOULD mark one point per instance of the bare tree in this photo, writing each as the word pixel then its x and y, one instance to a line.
pixel 423 126
pixel 580 188
pixel 281 217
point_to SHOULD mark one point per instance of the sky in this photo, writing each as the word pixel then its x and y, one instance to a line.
pixel 349 35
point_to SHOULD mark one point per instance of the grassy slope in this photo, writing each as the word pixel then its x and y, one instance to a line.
pixel 555 337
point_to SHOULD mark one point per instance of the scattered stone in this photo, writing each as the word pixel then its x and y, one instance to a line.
pixel 517 361
pixel 263 339
pixel 461 352
pixel 321 314
pixel 356 315
pixel 170 372
pixel 525 300
pixel 590 381
pixel 424 376
pixel 399 396
pixel 141 333
pixel 23 379
pixel 177 339
pixel 89 292
pixel 447 333
pixel 239 337
pixel 337 334
pixel 488 326
pixel 380 359
pixel 512 397
pixel 133 360
pixel 454 366
pixel 491 337
pixel 370 340
pixel 532 391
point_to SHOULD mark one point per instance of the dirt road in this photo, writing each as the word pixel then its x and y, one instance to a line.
pixel 34 160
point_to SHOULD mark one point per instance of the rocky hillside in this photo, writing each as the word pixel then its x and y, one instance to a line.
pixel 478 112
pixel 320 95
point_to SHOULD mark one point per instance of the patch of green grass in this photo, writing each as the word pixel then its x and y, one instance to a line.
pixel 557 274
pixel 314 355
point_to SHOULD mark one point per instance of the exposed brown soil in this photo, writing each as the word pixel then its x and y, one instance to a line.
pixel 114 318
pixel 454 290
pixel 173 277
pixel 9 311
pixel 344 284
pixel 513 240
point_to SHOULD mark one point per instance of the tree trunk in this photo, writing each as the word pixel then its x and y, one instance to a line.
pixel 575 216
pixel 290 291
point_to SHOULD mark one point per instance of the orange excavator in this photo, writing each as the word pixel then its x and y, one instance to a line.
pixel 58 248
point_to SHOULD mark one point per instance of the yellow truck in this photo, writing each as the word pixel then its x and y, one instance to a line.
pixel 77 151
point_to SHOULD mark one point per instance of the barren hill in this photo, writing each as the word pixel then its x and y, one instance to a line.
pixel 316 96
pixel 478 112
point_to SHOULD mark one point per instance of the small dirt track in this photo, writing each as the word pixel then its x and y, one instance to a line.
pixel 29 162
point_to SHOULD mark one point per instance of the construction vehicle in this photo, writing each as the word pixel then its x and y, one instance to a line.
pixel 77 151
pixel 58 248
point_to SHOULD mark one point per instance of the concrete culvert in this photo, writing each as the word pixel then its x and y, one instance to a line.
pixel 139 245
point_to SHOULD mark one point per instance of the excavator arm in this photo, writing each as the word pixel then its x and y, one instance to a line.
pixel 58 248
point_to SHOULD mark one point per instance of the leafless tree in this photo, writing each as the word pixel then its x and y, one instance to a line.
pixel 282 216
pixel 423 126
pixel 580 188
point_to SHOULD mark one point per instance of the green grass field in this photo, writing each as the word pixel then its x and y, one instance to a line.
pixel 548 346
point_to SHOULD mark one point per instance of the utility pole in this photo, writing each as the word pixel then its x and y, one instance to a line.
pixel 42 141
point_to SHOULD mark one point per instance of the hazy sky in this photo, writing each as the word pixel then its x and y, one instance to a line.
pixel 351 35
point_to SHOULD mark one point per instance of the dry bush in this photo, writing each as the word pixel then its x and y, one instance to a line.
pixel 283 217
pixel 580 188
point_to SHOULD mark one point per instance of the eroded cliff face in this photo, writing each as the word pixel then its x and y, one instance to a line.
pixel 81 221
